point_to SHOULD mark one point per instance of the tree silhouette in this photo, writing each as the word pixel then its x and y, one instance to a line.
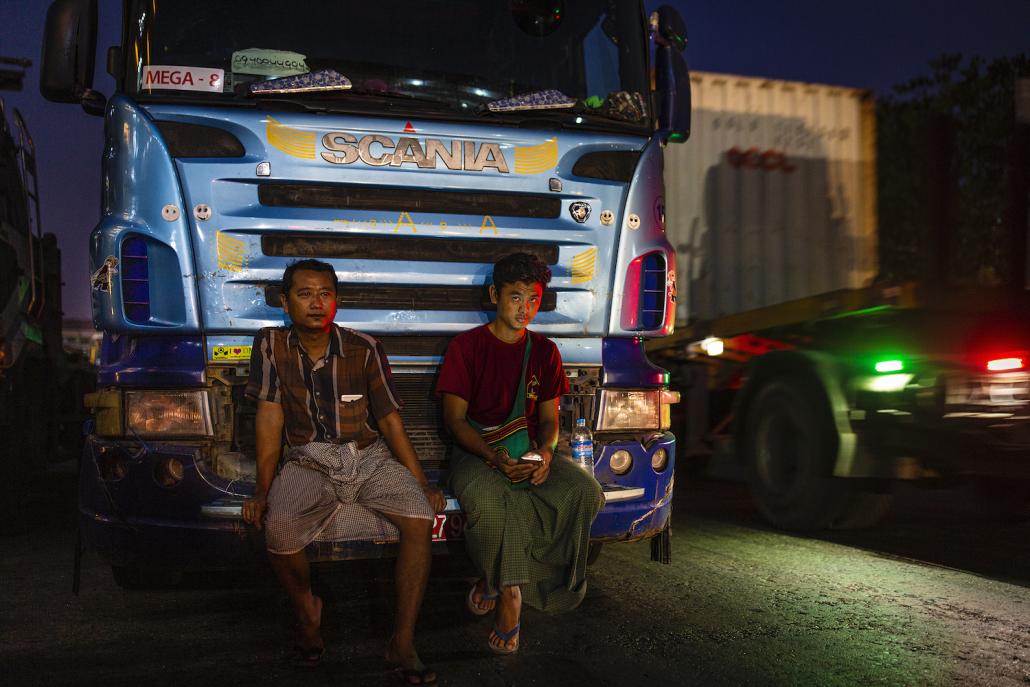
pixel 976 99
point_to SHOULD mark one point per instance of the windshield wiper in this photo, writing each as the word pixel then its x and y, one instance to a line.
pixel 396 95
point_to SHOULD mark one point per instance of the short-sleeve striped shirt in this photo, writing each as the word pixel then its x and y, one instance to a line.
pixel 334 399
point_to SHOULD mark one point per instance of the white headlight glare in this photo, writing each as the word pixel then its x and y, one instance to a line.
pixel 168 413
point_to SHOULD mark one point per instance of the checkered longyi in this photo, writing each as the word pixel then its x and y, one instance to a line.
pixel 338 492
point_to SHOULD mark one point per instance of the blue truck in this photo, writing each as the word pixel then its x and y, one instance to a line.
pixel 409 144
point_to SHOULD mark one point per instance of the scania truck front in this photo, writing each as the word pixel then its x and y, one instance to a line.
pixel 410 144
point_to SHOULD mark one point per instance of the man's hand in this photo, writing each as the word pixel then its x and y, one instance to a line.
pixel 542 470
pixel 435 497
pixel 254 510
pixel 512 469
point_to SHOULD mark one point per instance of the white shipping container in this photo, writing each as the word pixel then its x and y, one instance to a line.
pixel 773 198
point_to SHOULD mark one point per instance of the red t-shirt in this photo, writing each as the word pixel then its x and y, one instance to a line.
pixel 484 371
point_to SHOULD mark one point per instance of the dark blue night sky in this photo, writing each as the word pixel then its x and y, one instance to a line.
pixel 872 44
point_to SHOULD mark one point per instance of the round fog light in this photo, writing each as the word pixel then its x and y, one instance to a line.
pixel 620 462
pixel 659 459
pixel 168 472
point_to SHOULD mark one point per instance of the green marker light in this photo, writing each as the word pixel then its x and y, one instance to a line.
pixel 889 366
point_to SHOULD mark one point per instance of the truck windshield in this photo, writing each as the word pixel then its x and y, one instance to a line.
pixel 450 56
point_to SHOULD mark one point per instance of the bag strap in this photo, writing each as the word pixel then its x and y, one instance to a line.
pixel 518 408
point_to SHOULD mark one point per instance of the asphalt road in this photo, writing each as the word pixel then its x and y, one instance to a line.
pixel 938 594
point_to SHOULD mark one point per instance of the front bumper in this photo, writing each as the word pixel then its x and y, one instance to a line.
pixel 639 503
pixel 197 524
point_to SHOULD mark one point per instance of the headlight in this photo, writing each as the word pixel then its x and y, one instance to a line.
pixel 620 462
pixel 625 410
pixel 168 413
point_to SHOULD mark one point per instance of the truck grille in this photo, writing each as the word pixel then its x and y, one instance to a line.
pixel 396 248
pixel 379 297
pixel 422 412
pixel 422 416
pixel 414 345
pixel 342 197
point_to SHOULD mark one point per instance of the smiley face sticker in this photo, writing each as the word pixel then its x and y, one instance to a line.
pixel 607 218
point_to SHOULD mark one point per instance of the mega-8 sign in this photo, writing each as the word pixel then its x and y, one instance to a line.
pixel 182 78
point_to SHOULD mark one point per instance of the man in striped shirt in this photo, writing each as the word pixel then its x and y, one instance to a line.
pixel 350 470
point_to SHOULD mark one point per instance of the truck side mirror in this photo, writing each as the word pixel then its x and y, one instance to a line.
pixel 672 79
pixel 69 48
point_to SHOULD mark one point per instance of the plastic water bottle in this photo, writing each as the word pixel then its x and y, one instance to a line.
pixel 583 446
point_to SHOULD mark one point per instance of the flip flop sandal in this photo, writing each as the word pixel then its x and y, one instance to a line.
pixel 505 637
pixel 474 608
pixel 307 656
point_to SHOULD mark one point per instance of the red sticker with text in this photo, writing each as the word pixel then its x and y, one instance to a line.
pixel 182 78
pixel 449 526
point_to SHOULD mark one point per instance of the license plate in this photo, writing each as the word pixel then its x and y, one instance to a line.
pixel 449 527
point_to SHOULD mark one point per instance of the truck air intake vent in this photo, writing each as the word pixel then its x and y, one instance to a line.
pixel 378 297
pixel 652 291
pixel 414 345
pixel 420 410
pixel 135 270
pixel 195 140
pixel 340 197
pixel 427 249
pixel 616 165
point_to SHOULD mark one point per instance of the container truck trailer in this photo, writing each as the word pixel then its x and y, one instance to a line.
pixel 820 382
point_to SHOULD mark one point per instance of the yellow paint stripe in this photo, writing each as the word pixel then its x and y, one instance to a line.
pixel 293 142
pixel 231 252
pixel 538 158
pixel 584 266
pixel 527 169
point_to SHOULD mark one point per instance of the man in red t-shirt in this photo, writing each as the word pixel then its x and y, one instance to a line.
pixel 528 544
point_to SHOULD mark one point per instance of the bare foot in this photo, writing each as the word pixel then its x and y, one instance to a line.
pixel 311 623
pixel 413 670
pixel 509 612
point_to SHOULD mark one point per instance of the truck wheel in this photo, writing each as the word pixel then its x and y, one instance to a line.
pixel 789 444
